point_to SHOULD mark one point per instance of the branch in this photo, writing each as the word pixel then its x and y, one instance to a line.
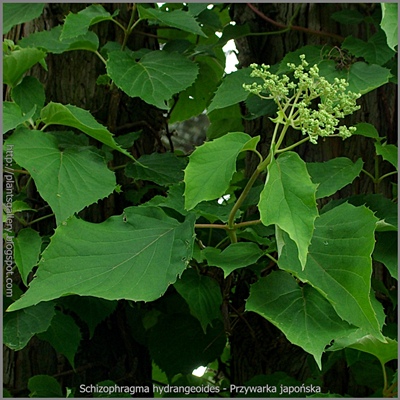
pixel 294 27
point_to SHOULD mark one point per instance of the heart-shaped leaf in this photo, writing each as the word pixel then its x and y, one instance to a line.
pixel 155 78
pixel 70 178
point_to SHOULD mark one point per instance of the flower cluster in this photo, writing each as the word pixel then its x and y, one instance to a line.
pixel 308 102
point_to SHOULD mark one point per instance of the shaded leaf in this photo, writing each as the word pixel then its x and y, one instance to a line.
pixel 314 55
pixel 305 317
pixel 75 117
pixel 20 326
pixel 44 386
pixel 386 251
pixel 224 120
pixel 28 94
pixel 18 13
pixel 163 169
pixel 362 78
pixel 13 116
pixel 367 130
pixel 64 177
pixel 375 51
pixel 27 246
pixel 333 175
pixel 64 335
pixel 50 41
pixel 180 19
pixel 18 62
pixel 348 17
pixel 211 167
pixel 339 263
pixel 236 255
pixel 134 256
pixel 388 153
pixel 173 348
pixel 91 310
pixel 203 295
pixel 195 99
pixel 155 78
pixel 390 23
pixel 288 200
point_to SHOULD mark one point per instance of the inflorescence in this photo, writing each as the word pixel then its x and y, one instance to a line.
pixel 308 103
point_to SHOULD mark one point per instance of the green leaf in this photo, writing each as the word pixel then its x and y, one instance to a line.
pixel 203 295
pixel 362 77
pixel 375 51
pixel 334 174
pixel 177 19
pixel 348 17
pixel 75 117
pixel 384 351
pixel 163 169
pixel 367 130
pixel 178 344
pixel 155 78
pixel 135 256
pixel 18 62
pixel 305 317
pixel 339 263
pixel 70 178
pixel 78 24
pixel 91 310
pixel 388 153
pixel 27 244
pixel 224 120
pixel 44 386
pixel 236 255
pixel 28 94
pixel 231 90
pixel 390 23
pixel 313 55
pixel 51 43
pixel 64 335
pixel 386 251
pixel 288 200
pixel 195 99
pixel 20 326
pixel 211 167
pixel 13 116
pixel 18 13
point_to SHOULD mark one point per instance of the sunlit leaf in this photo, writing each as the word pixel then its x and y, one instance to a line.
pixel 64 177
pixel 211 167
pixel 18 13
pixel 339 263
pixel 155 78
pixel 289 200
pixel 135 256
pixel 180 19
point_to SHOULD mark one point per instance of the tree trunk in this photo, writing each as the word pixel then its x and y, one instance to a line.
pixel 113 353
pixel 265 350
